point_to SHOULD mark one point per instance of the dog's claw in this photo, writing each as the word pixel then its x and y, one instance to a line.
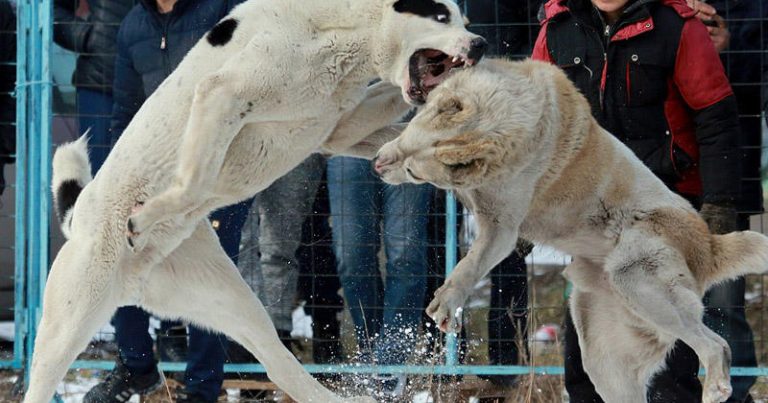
pixel 130 228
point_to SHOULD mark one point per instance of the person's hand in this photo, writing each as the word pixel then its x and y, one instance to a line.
pixel 719 219
pixel 716 26
pixel 719 34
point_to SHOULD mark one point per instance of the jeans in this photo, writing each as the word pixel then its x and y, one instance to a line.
pixel 272 236
pixel 94 109
pixel 205 355
pixel 386 313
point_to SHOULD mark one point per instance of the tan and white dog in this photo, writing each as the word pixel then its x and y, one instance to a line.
pixel 271 83
pixel 518 144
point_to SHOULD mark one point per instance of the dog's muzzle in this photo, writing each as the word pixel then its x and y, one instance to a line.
pixel 477 48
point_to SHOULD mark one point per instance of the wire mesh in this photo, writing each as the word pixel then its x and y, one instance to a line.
pixel 321 248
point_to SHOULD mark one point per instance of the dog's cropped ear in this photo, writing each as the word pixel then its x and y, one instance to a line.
pixel 467 157
pixel 449 106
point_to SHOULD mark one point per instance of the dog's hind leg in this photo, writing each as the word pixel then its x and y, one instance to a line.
pixel 199 283
pixel 611 353
pixel 617 353
pixel 78 301
pixel 654 282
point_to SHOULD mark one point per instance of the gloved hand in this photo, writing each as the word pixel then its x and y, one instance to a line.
pixel 523 247
pixel 720 219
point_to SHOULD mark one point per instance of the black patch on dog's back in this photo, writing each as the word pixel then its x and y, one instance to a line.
pixel 425 8
pixel 222 32
pixel 66 196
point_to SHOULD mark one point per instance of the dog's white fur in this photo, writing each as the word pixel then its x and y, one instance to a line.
pixel 293 79
pixel 518 144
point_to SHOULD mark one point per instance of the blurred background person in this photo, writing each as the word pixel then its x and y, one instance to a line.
pixel 89 28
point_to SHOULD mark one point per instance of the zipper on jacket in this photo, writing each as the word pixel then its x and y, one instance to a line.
pixel 604 43
pixel 166 22
pixel 603 80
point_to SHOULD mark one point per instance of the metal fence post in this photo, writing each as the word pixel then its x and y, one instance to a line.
pixel 33 177
pixel 20 314
pixel 451 342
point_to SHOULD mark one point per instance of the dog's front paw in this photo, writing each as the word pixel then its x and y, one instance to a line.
pixel 137 227
pixel 446 308
pixel 716 391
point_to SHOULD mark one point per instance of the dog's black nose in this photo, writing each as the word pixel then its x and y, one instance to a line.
pixel 477 48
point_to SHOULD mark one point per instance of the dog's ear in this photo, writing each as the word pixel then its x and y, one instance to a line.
pixel 467 157
pixel 449 106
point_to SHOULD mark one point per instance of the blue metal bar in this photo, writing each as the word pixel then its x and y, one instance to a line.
pixel 451 343
pixel 451 241
pixel 397 369
pixel 10 364
pixel 20 314
pixel 46 90
pixel 33 171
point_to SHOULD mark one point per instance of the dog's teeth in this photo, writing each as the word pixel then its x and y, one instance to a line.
pixel 456 58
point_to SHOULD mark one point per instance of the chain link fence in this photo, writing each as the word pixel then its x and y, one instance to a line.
pixel 344 264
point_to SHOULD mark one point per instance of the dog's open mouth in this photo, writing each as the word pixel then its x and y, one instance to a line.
pixel 429 67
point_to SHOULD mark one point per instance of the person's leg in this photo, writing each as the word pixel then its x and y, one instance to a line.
pixel 679 381
pixel 319 283
pixel 94 108
pixel 205 364
pixel 134 343
pixel 282 209
pixel 405 241
pixel 205 357
pixel 507 318
pixel 580 388
pixel 725 315
pixel 355 199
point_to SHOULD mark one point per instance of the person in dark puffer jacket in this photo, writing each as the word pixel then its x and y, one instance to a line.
pixel 7 83
pixel 654 80
pixel 741 52
pixel 93 38
pixel 153 39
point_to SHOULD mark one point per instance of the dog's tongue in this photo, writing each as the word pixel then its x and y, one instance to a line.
pixel 430 81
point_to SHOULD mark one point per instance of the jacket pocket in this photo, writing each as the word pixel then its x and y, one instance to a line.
pixel 646 77
pixel 572 60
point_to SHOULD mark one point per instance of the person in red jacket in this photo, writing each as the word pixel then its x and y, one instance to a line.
pixel 654 80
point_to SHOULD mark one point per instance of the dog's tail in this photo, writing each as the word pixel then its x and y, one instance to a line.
pixel 71 172
pixel 737 254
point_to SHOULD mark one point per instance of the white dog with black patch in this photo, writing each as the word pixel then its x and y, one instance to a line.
pixel 273 82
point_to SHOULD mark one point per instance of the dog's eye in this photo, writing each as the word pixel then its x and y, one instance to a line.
pixel 441 18
pixel 462 165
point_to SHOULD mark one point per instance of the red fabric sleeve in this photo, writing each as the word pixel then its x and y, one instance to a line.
pixel 540 50
pixel 699 74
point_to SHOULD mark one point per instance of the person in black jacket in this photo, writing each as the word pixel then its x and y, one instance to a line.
pixel 654 80
pixel 93 38
pixel 739 43
pixel 153 39
pixel 7 83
